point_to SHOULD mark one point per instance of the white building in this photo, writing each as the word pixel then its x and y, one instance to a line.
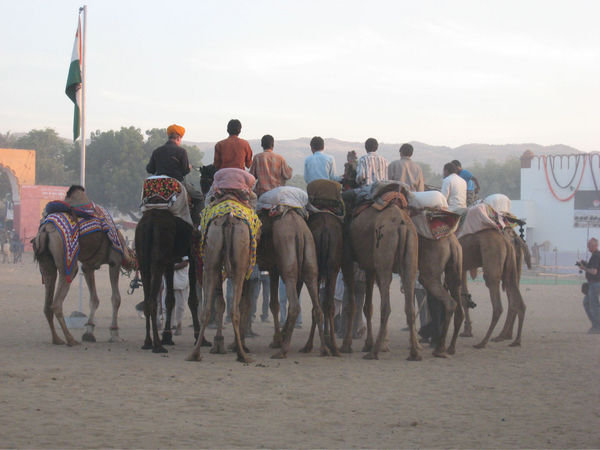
pixel 560 200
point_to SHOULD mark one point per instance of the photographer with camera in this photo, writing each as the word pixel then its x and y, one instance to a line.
pixel 591 289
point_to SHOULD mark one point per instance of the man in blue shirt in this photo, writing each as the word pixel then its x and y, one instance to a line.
pixel 472 182
pixel 319 166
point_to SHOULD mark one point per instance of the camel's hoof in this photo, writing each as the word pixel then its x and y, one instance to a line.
pixel 416 357
pixel 194 357
pixel 147 346
pixel 500 338
pixel 275 344
pixel 325 351
pixel 245 359
pixel 279 355
pixel 385 348
pixel 218 346
pixel 115 339
pixel 367 348
pixel 480 345
pixel 346 348
pixel 88 337
pixel 370 355
pixel 167 338
pixel 439 354
pixel 306 349
pixel 451 351
pixel 334 351
pixel 160 350
pixel 515 344
pixel 58 341
pixel 466 334
pixel 73 343
pixel 205 343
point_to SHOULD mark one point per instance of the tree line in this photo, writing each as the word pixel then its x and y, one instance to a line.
pixel 115 162
pixel 116 165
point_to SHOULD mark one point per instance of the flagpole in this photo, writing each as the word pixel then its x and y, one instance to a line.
pixel 83 86
pixel 83 10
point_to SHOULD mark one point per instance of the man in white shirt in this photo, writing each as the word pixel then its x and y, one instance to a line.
pixel 454 188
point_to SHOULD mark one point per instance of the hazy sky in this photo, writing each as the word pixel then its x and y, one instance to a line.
pixel 447 72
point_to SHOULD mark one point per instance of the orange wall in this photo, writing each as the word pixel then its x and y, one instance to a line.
pixel 21 162
pixel 33 202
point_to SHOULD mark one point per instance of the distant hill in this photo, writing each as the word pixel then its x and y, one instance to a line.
pixel 295 150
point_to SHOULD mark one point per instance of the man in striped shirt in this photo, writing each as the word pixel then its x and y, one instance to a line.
pixel 371 167
pixel 270 169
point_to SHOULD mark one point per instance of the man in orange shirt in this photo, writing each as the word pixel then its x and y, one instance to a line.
pixel 270 169
pixel 233 151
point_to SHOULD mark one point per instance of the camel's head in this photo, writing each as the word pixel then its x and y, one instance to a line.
pixel 76 195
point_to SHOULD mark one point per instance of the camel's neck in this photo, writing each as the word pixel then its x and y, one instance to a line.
pixel 78 198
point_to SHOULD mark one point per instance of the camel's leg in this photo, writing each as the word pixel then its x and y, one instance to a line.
pixel 208 287
pixel 57 307
pixel 454 286
pixel 193 297
pixel 408 275
pixel 435 288
pixel 245 306
pixel 49 273
pixel 114 272
pixel 167 335
pixel 349 307
pixel 516 308
pixel 468 330
pixel 151 307
pixel 329 312
pixel 90 280
pixel 368 310
pixel 313 325
pixel 317 314
pixel 383 282
pixel 290 322
pixel 146 281
pixel 220 307
pixel 493 284
pixel 274 306
pixel 236 316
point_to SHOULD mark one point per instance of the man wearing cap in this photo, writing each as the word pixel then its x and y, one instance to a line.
pixel 233 151
pixel 171 159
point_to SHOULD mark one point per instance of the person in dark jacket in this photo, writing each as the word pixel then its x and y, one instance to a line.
pixel 170 159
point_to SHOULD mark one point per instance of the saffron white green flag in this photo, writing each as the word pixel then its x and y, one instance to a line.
pixel 73 89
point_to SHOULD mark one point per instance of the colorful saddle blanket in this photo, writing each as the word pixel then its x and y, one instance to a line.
pixel 159 190
pixel 71 229
pixel 435 223
pixel 238 210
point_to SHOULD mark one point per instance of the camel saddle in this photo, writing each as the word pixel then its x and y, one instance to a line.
pixel 435 223
pixel 325 196
pixel 380 195
pixel 480 217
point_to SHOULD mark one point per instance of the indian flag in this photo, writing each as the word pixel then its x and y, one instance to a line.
pixel 73 89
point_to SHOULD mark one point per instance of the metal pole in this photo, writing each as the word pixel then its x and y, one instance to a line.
pixel 82 165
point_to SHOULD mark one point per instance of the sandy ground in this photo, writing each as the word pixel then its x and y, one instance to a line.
pixel 544 394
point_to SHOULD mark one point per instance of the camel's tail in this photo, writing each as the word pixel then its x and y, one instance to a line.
pixel 509 272
pixel 40 244
pixel 228 249
pixel 323 251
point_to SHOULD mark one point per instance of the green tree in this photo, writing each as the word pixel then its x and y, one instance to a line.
pixel 7 140
pixel 431 178
pixel 51 155
pixel 498 177
pixel 116 168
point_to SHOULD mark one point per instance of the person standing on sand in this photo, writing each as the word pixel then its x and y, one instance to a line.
pixel 591 303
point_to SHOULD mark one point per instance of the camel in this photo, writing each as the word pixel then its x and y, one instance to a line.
pixel 95 250
pixel 327 232
pixel 287 248
pixel 382 242
pixel 437 258
pixel 160 238
pixel 495 253
pixel 227 245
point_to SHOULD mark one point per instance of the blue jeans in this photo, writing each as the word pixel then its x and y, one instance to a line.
pixel 591 304
pixel 283 300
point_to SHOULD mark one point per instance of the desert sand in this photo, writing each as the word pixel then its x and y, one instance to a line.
pixel 543 394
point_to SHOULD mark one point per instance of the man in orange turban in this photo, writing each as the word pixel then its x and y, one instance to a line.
pixel 170 159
